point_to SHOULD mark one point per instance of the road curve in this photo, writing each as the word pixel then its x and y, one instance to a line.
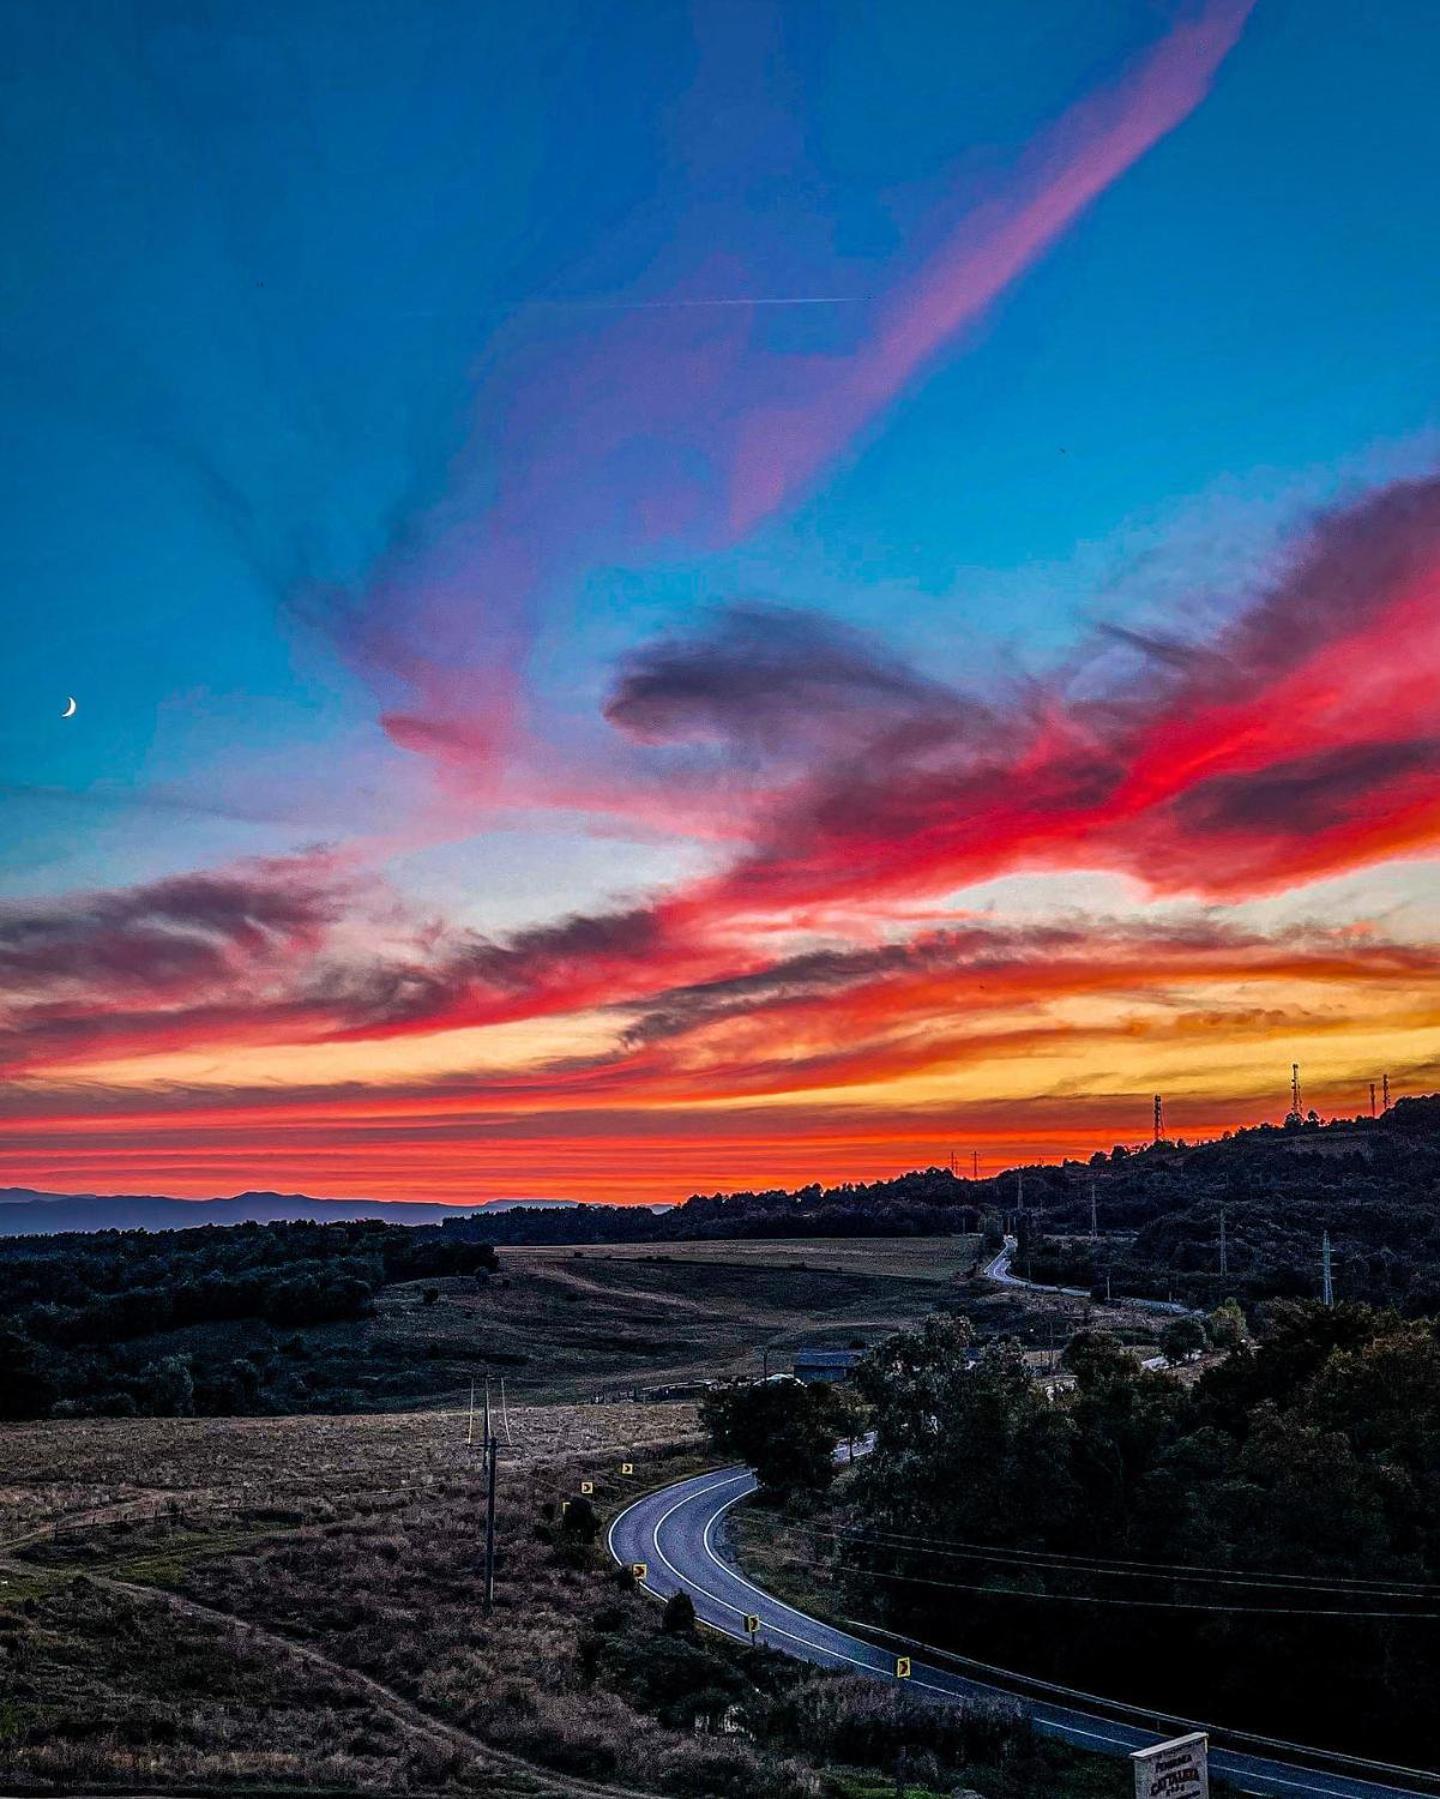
pixel 998 1269
pixel 678 1532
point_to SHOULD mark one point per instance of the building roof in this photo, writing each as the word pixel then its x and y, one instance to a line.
pixel 827 1358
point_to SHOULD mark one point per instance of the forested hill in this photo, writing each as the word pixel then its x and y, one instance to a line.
pixel 927 1203
pixel 1372 1184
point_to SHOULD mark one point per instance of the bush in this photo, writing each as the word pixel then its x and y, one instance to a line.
pixel 678 1617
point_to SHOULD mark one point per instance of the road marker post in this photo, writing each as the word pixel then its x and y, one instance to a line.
pixel 587 1487
pixel 752 1626
pixel 902 1667
pixel 627 1467
pixel 639 1570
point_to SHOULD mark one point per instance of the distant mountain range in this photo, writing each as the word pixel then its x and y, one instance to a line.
pixel 26 1213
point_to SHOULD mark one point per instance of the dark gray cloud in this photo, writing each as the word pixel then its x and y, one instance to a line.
pixel 1308 793
pixel 776 681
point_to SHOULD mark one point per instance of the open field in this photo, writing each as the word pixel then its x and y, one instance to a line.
pixel 570 1323
pixel 556 1324
pixel 72 1469
pixel 901 1258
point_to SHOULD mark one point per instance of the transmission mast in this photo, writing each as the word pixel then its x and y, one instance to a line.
pixel 1159 1117
pixel 1295 1113
pixel 1327 1282
pixel 1385 1091
pixel 1372 1099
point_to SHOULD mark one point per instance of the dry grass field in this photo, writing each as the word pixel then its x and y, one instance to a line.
pixel 901 1258
pixel 68 1471
pixel 114 1669
pixel 567 1323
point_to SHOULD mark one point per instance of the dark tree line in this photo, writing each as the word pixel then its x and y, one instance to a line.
pixel 929 1202
pixel 72 1306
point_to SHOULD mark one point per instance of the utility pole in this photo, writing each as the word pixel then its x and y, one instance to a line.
pixel 1159 1117
pixel 1327 1283
pixel 1224 1260
pixel 1094 1224
pixel 974 1164
pixel 1385 1091
pixel 952 1164
pixel 1372 1099
pixel 491 1457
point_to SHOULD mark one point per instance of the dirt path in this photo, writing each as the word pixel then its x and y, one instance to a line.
pixel 531 1779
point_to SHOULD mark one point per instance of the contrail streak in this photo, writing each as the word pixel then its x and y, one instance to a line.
pixel 670 305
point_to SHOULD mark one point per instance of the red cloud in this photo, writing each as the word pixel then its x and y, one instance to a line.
pixel 1301 741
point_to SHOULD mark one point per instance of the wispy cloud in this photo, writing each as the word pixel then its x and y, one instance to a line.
pixel 598 440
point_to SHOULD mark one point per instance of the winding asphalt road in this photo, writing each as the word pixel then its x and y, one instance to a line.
pixel 999 1270
pixel 678 1532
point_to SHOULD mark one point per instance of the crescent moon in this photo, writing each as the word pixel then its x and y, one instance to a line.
pixel 69 711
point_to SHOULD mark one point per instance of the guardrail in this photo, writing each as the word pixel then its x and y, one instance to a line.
pixel 1028 1686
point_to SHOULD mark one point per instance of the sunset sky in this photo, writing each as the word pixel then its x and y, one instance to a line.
pixel 674 596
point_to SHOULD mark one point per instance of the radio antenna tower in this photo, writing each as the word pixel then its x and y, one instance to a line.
pixel 1159 1117
pixel 974 1164
pixel 1295 1112
pixel 1372 1099
pixel 1385 1091
pixel 1327 1283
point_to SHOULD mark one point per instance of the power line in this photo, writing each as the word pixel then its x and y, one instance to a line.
pixel 1162 1605
pixel 1117 1564
pixel 1056 1563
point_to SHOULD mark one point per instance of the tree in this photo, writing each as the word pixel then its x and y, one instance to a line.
pixel 1095 1357
pixel 678 1618
pixel 785 1430
pixel 1227 1327
pixel 579 1521
pixel 26 1391
pixel 1183 1338
pixel 168 1387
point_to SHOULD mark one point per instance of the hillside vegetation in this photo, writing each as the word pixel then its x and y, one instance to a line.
pixel 1258 1546
pixel 1373 1185
pixel 345 1318
pixel 209 1320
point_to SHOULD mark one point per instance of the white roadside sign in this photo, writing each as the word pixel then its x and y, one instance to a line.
pixel 1173 1770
